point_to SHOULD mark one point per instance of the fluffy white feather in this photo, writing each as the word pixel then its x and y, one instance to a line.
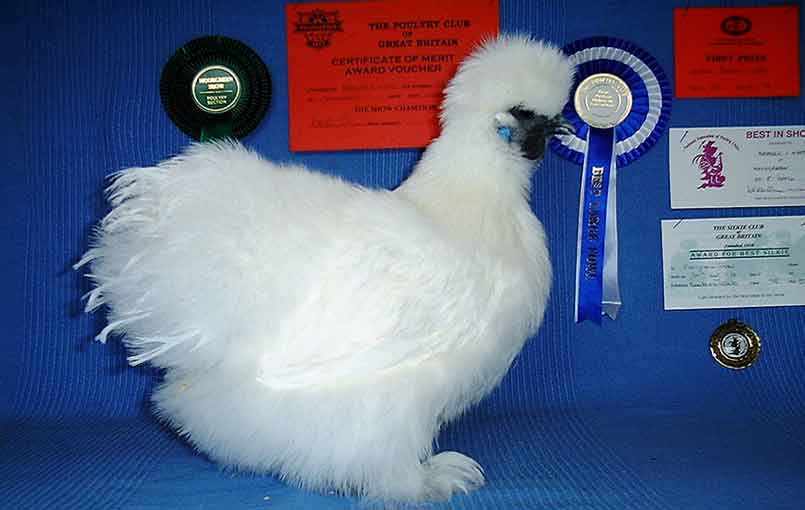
pixel 325 332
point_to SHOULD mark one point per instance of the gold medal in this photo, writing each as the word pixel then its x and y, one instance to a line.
pixel 735 345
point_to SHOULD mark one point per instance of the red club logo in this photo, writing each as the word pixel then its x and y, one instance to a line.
pixel 736 25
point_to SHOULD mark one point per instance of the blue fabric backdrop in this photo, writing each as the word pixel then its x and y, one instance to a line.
pixel 631 415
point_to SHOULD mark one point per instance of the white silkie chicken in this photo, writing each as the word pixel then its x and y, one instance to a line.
pixel 324 332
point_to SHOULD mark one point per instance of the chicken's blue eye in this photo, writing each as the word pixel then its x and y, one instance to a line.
pixel 505 132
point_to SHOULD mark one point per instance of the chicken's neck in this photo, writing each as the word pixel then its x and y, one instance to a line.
pixel 477 190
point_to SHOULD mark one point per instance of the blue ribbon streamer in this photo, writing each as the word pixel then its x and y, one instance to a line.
pixel 592 246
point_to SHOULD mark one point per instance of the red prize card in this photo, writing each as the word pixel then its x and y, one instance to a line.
pixel 369 75
pixel 737 52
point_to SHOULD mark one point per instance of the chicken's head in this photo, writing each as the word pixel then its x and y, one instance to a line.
pixel 511 88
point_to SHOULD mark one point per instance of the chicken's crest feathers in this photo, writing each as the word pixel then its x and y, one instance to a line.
pixel 508 71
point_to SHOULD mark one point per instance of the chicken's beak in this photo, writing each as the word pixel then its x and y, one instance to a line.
pixel 538 130
pixel 562 126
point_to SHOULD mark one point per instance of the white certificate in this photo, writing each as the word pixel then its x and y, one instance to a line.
pixel 733 262
pixel 737 167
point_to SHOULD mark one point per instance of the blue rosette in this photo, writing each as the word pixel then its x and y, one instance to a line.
pixel 651 98
pixel 625 99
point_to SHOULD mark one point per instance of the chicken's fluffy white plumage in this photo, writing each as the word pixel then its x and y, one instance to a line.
pixel 325 332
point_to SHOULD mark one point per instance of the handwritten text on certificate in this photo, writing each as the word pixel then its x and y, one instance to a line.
pixel 370 75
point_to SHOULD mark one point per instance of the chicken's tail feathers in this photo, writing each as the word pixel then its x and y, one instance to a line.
pixel 141 348
pixel 125 255
pixel 174 262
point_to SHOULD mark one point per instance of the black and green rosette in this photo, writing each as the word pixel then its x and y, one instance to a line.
pixel 215 87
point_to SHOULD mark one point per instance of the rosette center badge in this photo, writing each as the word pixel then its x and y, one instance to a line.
pixel 603 100
pixel 216 89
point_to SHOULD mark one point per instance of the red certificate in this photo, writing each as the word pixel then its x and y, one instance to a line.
pixel 369 75
pixel 737 52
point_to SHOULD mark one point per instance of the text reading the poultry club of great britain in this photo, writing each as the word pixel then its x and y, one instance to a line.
pixel 402 35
